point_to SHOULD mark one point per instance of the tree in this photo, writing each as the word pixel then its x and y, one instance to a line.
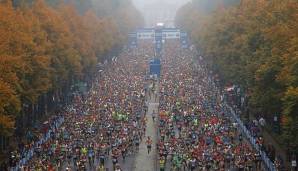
pixel 252 44
pixel 46 45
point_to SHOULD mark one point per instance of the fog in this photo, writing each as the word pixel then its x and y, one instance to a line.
pixel 155 11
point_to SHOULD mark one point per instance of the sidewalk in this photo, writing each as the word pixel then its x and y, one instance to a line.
pixel 145 161
pixel 279 150
pixel 270 140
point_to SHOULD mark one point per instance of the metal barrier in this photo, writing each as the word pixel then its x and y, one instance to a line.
pixel 268 163
pixel 29 154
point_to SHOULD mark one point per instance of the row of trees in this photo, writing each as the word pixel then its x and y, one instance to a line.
pixel 46 46
pixel 254 44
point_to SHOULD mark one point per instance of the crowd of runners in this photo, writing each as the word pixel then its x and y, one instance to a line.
pixel 104 127
pixel 101 128
pixel 195 132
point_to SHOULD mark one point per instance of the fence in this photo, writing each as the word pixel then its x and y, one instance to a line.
pixel 29 154
pixel 268 163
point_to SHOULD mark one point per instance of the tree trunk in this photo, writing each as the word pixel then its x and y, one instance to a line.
pixel 45 99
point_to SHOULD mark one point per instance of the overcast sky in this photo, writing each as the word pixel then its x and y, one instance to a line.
pixel 141 3
pixel 153 11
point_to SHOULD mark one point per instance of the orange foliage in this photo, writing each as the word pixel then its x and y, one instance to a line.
pixel 45 47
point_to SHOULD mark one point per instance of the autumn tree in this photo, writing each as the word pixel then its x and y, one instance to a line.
pixel 46 46
pixel 252 44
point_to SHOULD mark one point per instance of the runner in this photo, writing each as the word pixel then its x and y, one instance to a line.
pixel 162 163
pixel 149 144
pixel 153 116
